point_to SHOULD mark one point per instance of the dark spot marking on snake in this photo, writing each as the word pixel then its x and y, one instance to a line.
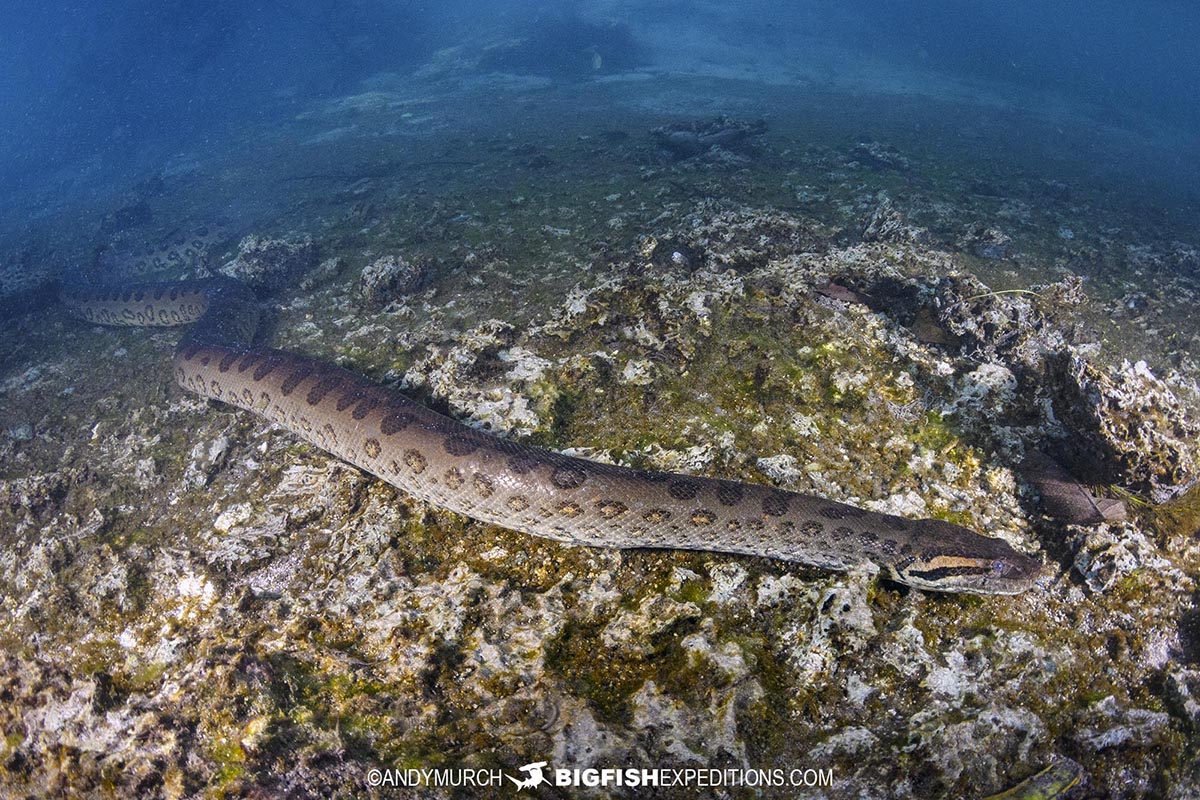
pixel 460 445
pixel 454 478
pixel 842 532
pixel 868 538
pixel 610 509
pixel 730 494
pixel 204 359
pixel 517 503
pixel 568 476
pixel 415 460
pixel 265 368
pixel 523 463
pixel 365 406
pixel 889 547
pixel 372 447
pixel 572 510
pixel 352 395
pixel 682 489
pixel 702 516
pixel 812 529
pixel 190 352
pixel 483 485
pixel 775 505
pixel 292 381
pixel 395 422
pixel 656 516
pixel 653 476
pixel 323 387
pixel 227 361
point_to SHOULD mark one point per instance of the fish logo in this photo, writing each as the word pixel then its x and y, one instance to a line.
pixel 535 777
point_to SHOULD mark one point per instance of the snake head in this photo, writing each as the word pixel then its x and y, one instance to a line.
pixel 951 558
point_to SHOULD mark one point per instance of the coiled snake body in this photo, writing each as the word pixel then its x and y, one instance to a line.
pixel 530 489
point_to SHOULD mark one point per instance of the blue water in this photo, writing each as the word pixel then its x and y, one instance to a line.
pixel 88 85
pixel 102 102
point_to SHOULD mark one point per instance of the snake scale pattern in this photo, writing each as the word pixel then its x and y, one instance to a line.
pixel 529 489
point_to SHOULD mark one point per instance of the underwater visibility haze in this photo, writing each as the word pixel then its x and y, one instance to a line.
pixel 747 399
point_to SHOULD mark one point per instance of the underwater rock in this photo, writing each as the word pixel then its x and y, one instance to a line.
pixel 682 140
pixel 1107 552
pixel 1131 424
pixel 985 242
pixel 484 378
pixel 1183 694
pixel 206 458
pixel 35 492
pixel 269 264
pixel 1121 425
pixel 325 272
pixel 877 156
pixel 1007 327
pixel 990 388
pixel 638 372
pixel 887 224
pixel 669 254
pixel 388 278
pixel 742 239
pixel 21 432
pixel 1117 726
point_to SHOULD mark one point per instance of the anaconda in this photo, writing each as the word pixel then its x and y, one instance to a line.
pixel 530 489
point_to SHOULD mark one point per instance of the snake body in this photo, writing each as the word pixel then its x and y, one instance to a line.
pixel 529 489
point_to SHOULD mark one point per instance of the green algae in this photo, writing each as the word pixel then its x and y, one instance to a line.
pixel 1180 517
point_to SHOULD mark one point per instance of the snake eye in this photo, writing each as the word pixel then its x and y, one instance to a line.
pixel 998 568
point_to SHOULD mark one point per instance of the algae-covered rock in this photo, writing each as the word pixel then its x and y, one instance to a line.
pixel 388 278
pixel 269 264
pixel 985 241
pixel 742 239
pixel 1133 424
